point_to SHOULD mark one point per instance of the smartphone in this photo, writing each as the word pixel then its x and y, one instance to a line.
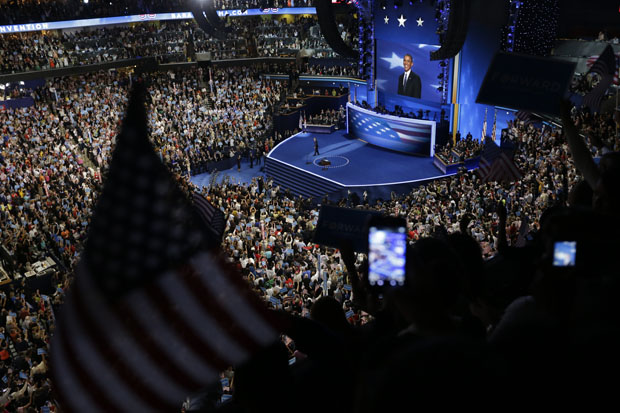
pixel 564 253
pixel 387 248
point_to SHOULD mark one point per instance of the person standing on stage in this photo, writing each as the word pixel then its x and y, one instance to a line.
pixel 409 83
pixel 316 147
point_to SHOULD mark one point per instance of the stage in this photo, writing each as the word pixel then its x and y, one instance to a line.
pixel 354 165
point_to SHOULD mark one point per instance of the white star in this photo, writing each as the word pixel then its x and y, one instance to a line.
pixel 420 21
pixel 394 61
pixel 401 21
pixel 386 20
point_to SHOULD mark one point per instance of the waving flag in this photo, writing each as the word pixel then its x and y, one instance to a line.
pixel 497 164
pixel 592 59
pixel 212 218
pixel 154 313
pixel 605 66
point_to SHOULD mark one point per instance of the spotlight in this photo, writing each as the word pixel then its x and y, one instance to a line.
pixel 398 3
pixel 383 4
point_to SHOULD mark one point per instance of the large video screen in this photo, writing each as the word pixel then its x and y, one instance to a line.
pixel 421 82
pixel 413 136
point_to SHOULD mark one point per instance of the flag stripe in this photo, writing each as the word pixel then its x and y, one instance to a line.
pixel 99 373
pixel 117 362
pixel 206 322
pixel 256 305
pixel 65 378
pixel 212 217
pixel 130 340
pixel 165 332
pixel 208 301
pixel 219 358
pixel 246 310
pixel 411 133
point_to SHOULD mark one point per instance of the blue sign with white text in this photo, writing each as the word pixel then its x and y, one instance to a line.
pixel 528 83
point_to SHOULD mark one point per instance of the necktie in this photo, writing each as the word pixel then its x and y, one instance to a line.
pixel 405 80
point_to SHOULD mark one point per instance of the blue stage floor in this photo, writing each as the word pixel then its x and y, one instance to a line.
pixel 354 163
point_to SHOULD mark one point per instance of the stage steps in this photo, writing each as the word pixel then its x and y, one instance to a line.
pixel 300 182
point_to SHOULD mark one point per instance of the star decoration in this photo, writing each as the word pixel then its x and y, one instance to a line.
pixel 394 61
pixel 386 20
pixel 401 21
pixel 420 21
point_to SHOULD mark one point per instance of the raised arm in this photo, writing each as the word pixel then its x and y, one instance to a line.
pixel 578 148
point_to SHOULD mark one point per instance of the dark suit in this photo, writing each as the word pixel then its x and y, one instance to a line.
pixel 413 88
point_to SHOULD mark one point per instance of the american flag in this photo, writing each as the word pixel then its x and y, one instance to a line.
pixel 213 218
pixel 605 66
pixel 503 169
pixel 154 313
pixel 592 59
pixel 524 116
pixel 497 164
pixel 484 125
pixel 490 152
pixel 493 133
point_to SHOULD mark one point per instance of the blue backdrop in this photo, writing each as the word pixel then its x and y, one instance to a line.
pixel 390 67
pixel 408 24
pixel 481 44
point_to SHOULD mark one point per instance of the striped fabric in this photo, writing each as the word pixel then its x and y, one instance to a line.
pixel 151 316
pixel 497 165
pixel 524 116
pixel 605 67
pixel 592 59
pixel 212 217
pixel 489 153
pixel 503 169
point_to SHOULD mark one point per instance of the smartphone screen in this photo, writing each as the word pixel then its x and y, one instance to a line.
pixel 386 256
pixel 564 253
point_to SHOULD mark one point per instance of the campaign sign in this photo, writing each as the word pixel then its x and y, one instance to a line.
pixel 337 224
pixel 528 83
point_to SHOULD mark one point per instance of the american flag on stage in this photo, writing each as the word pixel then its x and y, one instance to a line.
pixel 497 165
pixel 153 313
pixel 494 130
pixel 605 66
pixel 213 218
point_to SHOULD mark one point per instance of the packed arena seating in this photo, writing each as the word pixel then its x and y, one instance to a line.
pixel 48 188
pixel 31 11
pixel 486 315
pixel 260 4
pixel 168 42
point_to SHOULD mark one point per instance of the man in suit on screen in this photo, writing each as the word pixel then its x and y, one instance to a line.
pixel 409 83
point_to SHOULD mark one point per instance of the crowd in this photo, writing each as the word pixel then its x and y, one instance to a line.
pixel 337 70
pixel 286 37
pixel 260 4
pixel 475 294
pixel 438 116
pixel 172 41
pixel 53 153
pixel 33 11
pixel 168 42
pixel 328 117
